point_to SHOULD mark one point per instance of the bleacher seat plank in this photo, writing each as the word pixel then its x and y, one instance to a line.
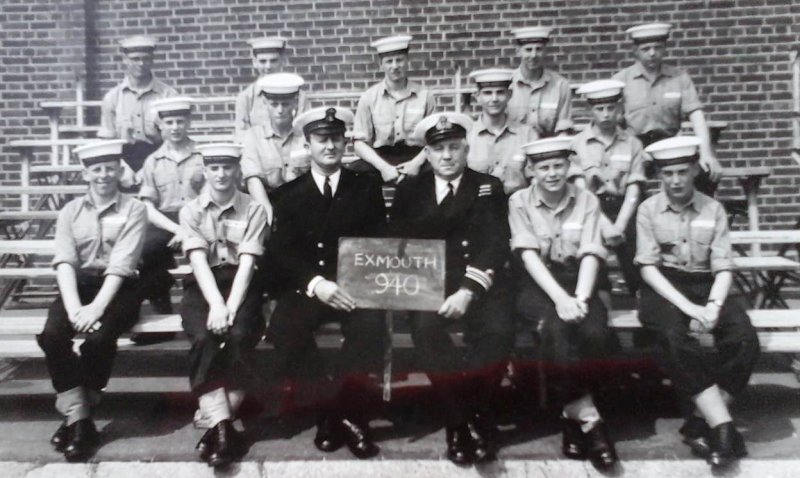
pixel 73 189
pixel 774 236
pixel 50 273
pixel 765 263
pixel 27 246
pixel 28 215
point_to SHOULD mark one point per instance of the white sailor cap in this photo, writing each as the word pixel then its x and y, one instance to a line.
pixel 532 35
pixel 391 44
pixel 327 120
pixel 649 32
pixel 440 126
pixel 142 43
pixel 279 84
pixel 268 44
pixel 602 91
pixel 220 153
pixel 173 106
pixel 675 150
pixel 492 77
pixel 99 151
pixel 548 148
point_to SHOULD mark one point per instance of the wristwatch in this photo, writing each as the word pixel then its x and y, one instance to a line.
pixel 581 298
pixel 716 302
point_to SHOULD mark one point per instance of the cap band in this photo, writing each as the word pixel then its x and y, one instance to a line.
pixel 525 41
pixel 139 49
pixel 607 99
pixel 673 161
pixel 279 96
pixel 452 131
pixel 651 39
pixel 257 51
pixel 393 52
pixel 180 112
pixel 100 159
pixel 220 159
pixel 493 84
pixel 535 158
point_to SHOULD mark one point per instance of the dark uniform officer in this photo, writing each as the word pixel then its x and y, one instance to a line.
pixel 684 251
pixel 98 241
pixel 125 112
pixel 541 98
pixel 657 97
pixel 171 177
pixel 468 210
pixel 555 230
pixel 609 162
pixel 388 112
pixel 312 213
pixel 221 309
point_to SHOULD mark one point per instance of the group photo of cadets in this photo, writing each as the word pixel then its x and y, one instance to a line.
pixel 530 207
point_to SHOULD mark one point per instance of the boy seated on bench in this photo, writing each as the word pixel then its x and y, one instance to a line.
pixel 98 242
pixel 221 309
pixel 683 248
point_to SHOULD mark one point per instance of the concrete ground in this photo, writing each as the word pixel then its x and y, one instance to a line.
pixel 147 430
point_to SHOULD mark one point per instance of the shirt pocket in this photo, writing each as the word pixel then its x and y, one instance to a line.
pixel 702 231
pixel 83 235
pixel 571 232
pixel 111 228
pixel 234 230
pixel 547 115
pixel 671 102
pixel 413 114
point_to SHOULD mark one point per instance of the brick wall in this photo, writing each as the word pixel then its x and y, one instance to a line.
pixel 737 52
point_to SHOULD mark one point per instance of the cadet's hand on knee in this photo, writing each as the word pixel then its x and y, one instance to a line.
pixel 331 294
pixel 711 315
pixel 389 174
pixel 86 317
pixel 568 309
pixel 456 305
pixel 217 318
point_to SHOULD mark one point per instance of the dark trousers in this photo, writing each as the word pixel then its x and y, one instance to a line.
pixel 611 205
pixel 157 259
pixel 221 360
pixel 465 385
pixel 573 353
pixel 292 326
pixel 92 368
pixel 691 367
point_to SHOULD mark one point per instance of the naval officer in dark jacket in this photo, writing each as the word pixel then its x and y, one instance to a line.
pixel 311 213
pixel 468 210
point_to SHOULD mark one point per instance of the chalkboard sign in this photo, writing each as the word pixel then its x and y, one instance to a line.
pixel 392 274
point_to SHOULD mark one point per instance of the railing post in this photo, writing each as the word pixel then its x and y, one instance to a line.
pixel 53 114
pixel 795 56
pixel 457 94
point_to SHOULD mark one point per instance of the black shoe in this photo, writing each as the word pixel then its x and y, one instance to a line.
pixel 328 438
pixel 357 438
pixel 83 438
pixel 726 445
pixel 60 437
pixel 206 443
pixel 695 433
pixel 482 447
pixel 600 448
pixel 225 444
pixel 573 441
pixel 459 445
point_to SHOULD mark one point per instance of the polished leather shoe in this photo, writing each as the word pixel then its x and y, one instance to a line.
pixel 225 444
pixel 482 448
pixel 357 438
pixel 726 445
pixel 328 438
pixel 83 438
pixel 600 448
pixel 60 437
pixel 695 433
pixel 206 443
pixel 573 441
pixel 459 445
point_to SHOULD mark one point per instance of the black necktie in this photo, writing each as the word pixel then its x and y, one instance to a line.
pixel 448 198
pixel 327 192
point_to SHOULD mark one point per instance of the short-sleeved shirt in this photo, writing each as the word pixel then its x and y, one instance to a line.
pixel 544 105
pixel 264 152
pixel 126 113
pixel 495 154
pixel 561 235
pixel 384 120
pixel 171 180
pixel 608 168
pixel 224 231
pixel 658 103
pixel 251 108
pixel 692 238
pixel 103 240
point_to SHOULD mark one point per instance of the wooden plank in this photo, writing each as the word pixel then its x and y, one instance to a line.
pixel 49 273
pixel 774 236
pixel 758 171
pixel 765 263
pixel 56 169
pixel 28 246
pixel 27 215
pixel 73 189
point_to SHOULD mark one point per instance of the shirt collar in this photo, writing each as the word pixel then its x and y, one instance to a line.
pixel 591 134
pixel 165 151
pixel 666 70
pixel 319 180
pixel 538 201
pixel 152 86
pixel 480 126
pixel 441 184
pixel 413 88
pixel 206 201
pixel 664 205
pixel 115 203
pixel 543 80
